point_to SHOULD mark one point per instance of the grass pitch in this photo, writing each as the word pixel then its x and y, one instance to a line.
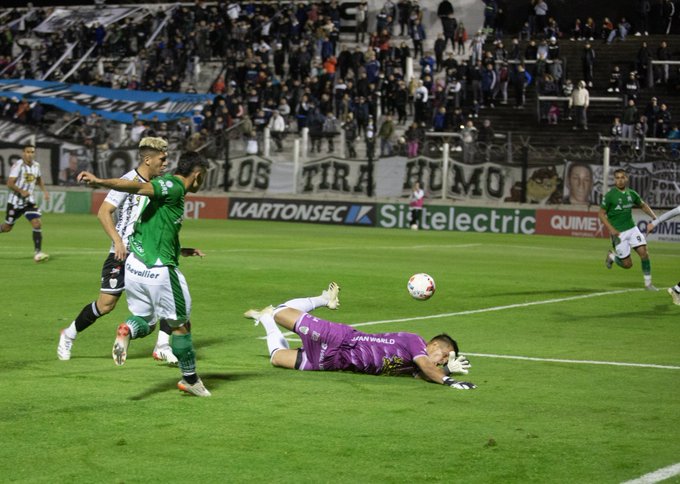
pixel 86 420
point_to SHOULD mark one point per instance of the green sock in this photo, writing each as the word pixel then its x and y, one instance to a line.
pixel 646 267
pixel 619 262
pixel 138 325
pixel 183 349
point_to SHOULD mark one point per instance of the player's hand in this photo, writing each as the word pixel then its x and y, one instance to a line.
pixel 46 195
pixel 650 228
pixel 459 385
pixel 119 250
pixel 190 252
pixel 87 178
pixel 458 365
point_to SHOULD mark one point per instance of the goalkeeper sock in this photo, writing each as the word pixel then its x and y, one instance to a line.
pixel 88 315
pixel 306 304
pixel 183 349
pixel 37 239
pixel 139 327
pixel 275 339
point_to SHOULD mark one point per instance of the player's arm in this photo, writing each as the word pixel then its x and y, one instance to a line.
pixel 191 252
pixel 105 216
pixel 12 185
pixel 602 214
pixel 662 218
pixel 41 184
pixel 648 210
pixel 118 184
pixel 434 374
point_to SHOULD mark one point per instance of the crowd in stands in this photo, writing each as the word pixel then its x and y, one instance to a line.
pixel 287 68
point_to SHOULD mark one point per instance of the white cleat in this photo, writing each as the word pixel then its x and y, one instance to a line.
pixel 651 287
pixel 40 257
pixel 257 314
pixel 609 261
pixel 164 353
pixel 332 295
pixel 197 388
pixel 674 295
pixel 120 346
pixel 64 348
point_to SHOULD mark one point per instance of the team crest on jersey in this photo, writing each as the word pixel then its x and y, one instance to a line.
pixel 113 283
pixel 29 177
pixel 303 329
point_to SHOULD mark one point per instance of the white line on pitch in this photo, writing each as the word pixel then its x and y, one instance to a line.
pixel 346 247
pixel 582 362
pixel 497 308
pixel 657 476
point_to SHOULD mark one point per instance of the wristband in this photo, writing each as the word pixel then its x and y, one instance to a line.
pixel 448 381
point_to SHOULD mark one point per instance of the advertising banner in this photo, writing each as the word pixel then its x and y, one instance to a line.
pixel 116 104
pixel 569 223
pixel 309 211
pixel 195 207
pixel 461 219
pixel 60 201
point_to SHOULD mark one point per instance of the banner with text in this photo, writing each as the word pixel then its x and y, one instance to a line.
pixel 308 211
pixel 116 104
pixel 195 207
pixel 59 202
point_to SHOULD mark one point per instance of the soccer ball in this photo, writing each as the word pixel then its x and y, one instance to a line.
pixel 421 286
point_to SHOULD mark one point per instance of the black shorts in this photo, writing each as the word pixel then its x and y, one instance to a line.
pixel 30 210
pixel 113 275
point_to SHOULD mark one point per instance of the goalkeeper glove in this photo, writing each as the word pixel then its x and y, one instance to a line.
pixel 458 385
pixel 458 365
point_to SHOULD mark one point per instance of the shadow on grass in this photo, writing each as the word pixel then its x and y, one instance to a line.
pixel 212 381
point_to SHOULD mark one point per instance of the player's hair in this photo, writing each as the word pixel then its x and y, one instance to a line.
pixel 620 170
pixel 154 143
pixel 29 145
pixel 446 339
pixel 188 161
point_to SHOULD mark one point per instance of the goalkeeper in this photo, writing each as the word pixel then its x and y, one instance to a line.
pixel 328 346
pixel 675 290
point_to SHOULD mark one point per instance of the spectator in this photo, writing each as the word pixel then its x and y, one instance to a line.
pixel 615 80
pixel 277 128
pixel 674 134
pixel 616 132
pixel 663 121
pixel 553 114
pixel 461 38
pixel 370 139
pixel 330 130
pixel 469 137
pixel 361 18
pixel 417 36
pixel 662 54
pixel 644 56
pixel 577 31
pixel 607 29
pixel 444 10
pixel 350 128
pixel 588 62
pixel 520 80
pixel 589 29
pixel 630 118
pixel 541 12
pixel 579 101
pixel 632 87
pixel 412 136
pixel 651 114
pixel 642 8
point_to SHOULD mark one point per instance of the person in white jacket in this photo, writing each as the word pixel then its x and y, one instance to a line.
pixel 277 126
pixel 579 101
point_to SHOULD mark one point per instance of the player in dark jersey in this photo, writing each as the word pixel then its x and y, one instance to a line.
pixel 328 346
pixel 23 176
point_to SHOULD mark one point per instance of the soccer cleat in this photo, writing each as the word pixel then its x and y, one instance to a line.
pixel 332 295
pixel 197 388
pixel 64 348
pixel 609 261
pixel 40 257
pixel 674 295
pixel 164 353
pixel 650 287
pixel 257 314
pixel 121 344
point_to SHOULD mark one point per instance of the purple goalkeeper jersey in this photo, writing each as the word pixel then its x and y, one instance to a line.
pixel 332 347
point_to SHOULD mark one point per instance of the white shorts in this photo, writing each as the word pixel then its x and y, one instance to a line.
pixel 630 238
pixel 157 292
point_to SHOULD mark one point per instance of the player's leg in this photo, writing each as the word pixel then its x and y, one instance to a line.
pixel 174 306
pixel 621 254
pixel 328 298
pixel 646 267
pixel 286 358
pixel 275 339
pixel 104 304
pixel 33 216
pixel 163 351
pixel 675 293
pixel 10 219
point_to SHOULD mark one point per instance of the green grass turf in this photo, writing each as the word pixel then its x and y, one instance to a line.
pixel 86 420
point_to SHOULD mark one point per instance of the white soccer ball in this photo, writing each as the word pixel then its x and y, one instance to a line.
pixel 421 286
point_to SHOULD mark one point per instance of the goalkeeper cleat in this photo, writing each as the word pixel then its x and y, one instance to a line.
pixel 650 287
pixel 120 346
pixel 197 388
pixel 40 257
pixel 332 295
pixel 257 314
pixel 164 353
pixel 674 295
pixel 64 348
pixel 609 261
